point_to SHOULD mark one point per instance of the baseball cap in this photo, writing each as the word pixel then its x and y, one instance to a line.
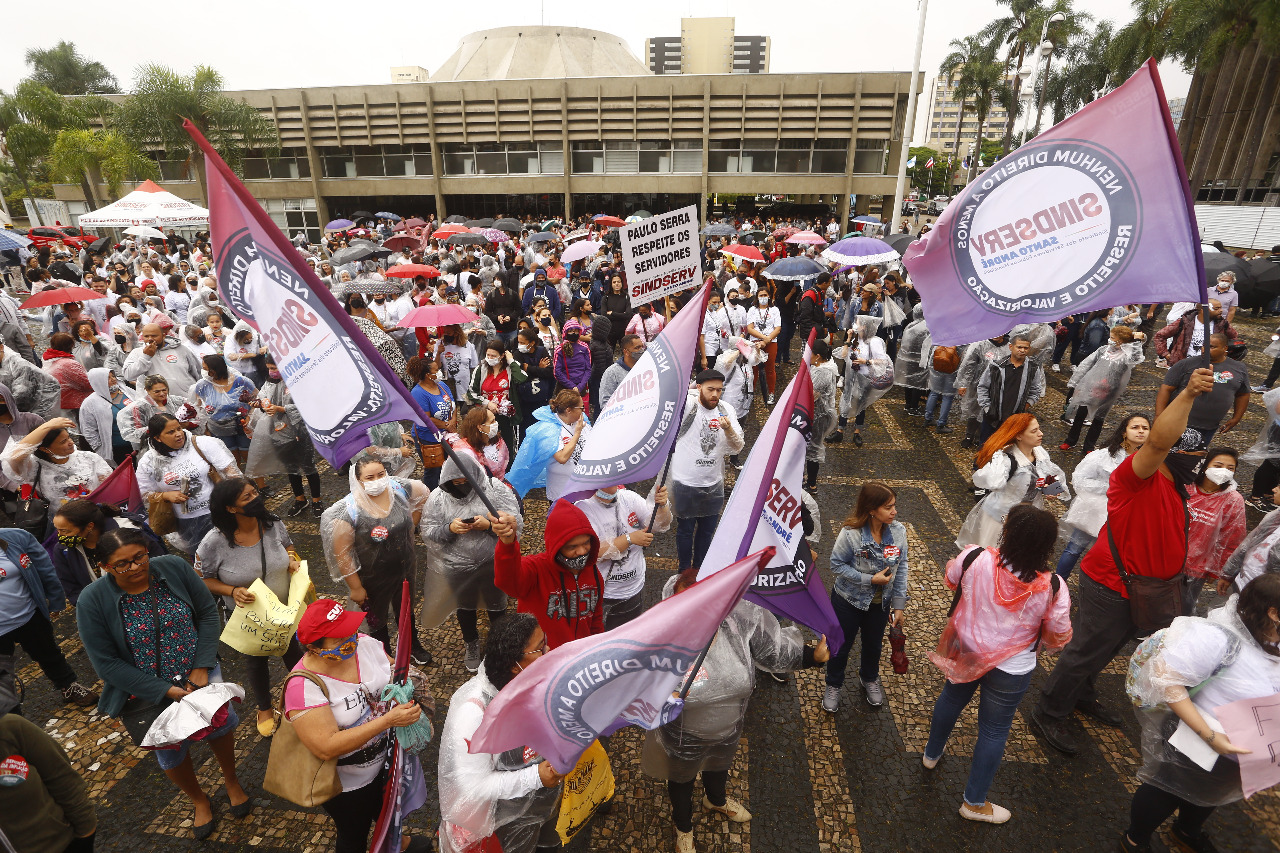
pixel 327 618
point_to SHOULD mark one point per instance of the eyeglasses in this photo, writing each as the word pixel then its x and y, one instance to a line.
pixel 540 650
pixel 126 565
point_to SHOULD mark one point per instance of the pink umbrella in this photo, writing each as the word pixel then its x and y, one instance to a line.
pixel 402 241
pixel 751 253
pixel 806 237
pixel 437 315
pixel 578 251
pixel 493 235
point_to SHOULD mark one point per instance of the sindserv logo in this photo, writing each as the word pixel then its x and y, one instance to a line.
pixel 1047 227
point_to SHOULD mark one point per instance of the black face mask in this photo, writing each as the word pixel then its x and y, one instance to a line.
pixel 1183 467
pixel 574 564
pixel 256 508
pixel 457 490
pixel 120 339
pixel 571 336
pixel 546 321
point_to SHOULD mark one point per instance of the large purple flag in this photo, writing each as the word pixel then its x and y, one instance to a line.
pixel 764 511
pixel 561 703
pixel 339 381
pixel 1094 212
pixel 632 437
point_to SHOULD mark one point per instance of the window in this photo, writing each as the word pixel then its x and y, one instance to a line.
pixel 870 156
pixel 293 215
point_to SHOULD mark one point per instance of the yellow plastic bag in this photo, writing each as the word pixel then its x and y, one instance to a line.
pixel 586 789
pixel 264 627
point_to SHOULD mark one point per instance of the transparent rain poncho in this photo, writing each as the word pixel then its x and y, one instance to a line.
pixel 1268 444
pixel 359 536
pixel 387 445
pixel 1214 661
pixel 915 351
pixel 864 383
pixel 271 432
pixel 705 735
pixel 482 794
pixel 1007 487
pixel 825 379
pixel 1101 379
pixel 1090 480
pixel 977 357
pixel 1042 340
pixel 460 566
pixel 738 370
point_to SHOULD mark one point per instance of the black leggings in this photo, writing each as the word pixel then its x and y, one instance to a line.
pixel 1095 429
pixel 354 813
pixel 914 397
pixel 381 596
pixel 1152 807
pixel 1273 374
pixel 714 782
pixel 295 483
pixel 1265 479
pixel 468 621
pixel 257 672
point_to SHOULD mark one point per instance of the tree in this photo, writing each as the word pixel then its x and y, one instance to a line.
pixel 1015 33
pixel 98 157
pixel 963 51
pixel 30 119
pixel 62 69
pixel 930 182
pixel 985 78
pixel 1087 72
pixel 1149 34
pixel 152 118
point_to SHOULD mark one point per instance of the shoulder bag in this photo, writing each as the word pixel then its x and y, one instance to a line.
pixel 31 513
pixel 214 476
pixel 294 773
pixel 1153 602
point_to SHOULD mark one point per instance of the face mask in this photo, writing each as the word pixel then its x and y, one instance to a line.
pixel 1221 476
pixel 256 508
pixel 71 540
pixel 273 375
pixel 492 360
pixel 546 321
pixel 120 339
pixel 457 490
pixel 606 497
pixel 373 488
pixel 525 348
pixel 439 375
pixel 493 429
pixel 1183 468
pixel 379 300
pixel 571 336
pixel 764 303
pixel 345 650
pixel 574 564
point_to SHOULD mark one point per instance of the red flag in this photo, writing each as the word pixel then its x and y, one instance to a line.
pixel 120 488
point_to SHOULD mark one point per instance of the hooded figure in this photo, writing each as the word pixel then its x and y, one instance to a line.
pixel 177 364
pixel 571 361
pixel 1042 339
pixel 869 380
pixel 98 415
pixel 246 357
pixel 565 594
pixel 915 354
pixel 533 465
pixel 14 424
pixel 974 363
pixel 33 389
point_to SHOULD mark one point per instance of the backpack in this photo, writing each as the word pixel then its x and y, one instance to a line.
pixel 946 359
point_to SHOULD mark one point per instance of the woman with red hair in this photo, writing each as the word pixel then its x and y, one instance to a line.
pixel 1013 468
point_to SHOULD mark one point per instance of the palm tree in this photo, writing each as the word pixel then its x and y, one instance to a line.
pixel 65 71
pixel 1087 72
pixel 30 119
pixel 1014 33
pixel 985 80
pixel 98 157
pixel 1149 34
pixel 963 51
pixel 1059 34
pixel 153 113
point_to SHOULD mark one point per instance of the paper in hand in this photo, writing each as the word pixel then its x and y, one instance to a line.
pixel 1190 744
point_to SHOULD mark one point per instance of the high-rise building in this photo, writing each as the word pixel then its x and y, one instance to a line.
pixel 944 113
pixel 708 46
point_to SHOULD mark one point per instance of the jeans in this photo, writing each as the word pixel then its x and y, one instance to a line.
pixel 932 402
pixel 693 539
pixel 714 783
pixel 1101 628
pixel 1001 693
pixel 508 338
pixel 36 637
pixel 1152 807
pixel 871 622
pixel 1077 545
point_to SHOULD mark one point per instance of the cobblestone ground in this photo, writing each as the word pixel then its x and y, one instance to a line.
pixel 816 783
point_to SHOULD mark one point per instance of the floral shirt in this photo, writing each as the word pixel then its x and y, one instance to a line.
pixel 177 630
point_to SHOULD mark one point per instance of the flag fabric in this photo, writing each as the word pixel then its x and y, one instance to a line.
pixel 1094 212
pixel 120 488
pixel 764 511
pixel 632 436
pixel 561 703
pixel 911 164
pixel 929 165
pixel 339 381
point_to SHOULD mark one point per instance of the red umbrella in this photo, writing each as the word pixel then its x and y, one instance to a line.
pixel 413 271
pixel 399 226
pixel 61 296
pixel 452 228
pixel 611 221
pixel 402 241
pixel 738 250
pixel 784 231
pixel 805 237
pixel 437 315
pixel 415 222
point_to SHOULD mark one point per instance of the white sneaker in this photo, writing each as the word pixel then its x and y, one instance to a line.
pixel 999 814
pixel 831 699
pixel 684 842
pixel 1056 369
pixel 731 809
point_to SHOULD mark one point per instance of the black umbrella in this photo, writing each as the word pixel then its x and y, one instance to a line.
pixel 508 225
pixel 361 214
pixel 719 229
pixel 355 254
pixel 466 238
pixel 479 223
pixel 456 218
pixel 1216 263
pixel 100 245
pixel 1266 276
pixel 900 242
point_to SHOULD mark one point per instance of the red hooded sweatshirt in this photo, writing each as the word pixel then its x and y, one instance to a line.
pixel 568 607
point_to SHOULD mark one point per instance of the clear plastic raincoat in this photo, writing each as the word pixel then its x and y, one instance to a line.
pixel 1213 661
pixel 1012 479
pixel 915 353
pixel 738 374
pixel 974 363
pixel 864 383
pixel 1268 444
pixel 1042 341
pixel 825 379
pixel 359 536
pixel 1101 379
pixel 1090 480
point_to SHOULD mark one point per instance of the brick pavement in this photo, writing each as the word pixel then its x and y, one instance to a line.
pixel 816 783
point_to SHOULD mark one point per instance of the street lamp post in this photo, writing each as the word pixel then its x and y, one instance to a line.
pixel 1043 51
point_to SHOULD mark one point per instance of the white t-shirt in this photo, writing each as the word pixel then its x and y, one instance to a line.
pixel 1196 347
pixel 765 320
pixel 699 455
pixel 715 332
pixel 622 578
pixel 558 474
pixel 352 705
pixel 458 362
pixel 157 473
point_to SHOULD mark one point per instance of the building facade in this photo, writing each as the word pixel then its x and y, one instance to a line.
pixel 707 46
pixel 569 145
pixel 944 114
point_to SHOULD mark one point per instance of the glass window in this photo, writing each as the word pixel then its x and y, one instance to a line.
pixel 422 164
pixel 790 161
pixel 339 166
pixel 369 166
pixel 491 163
pixel 722 161
pixel 759 161
pixel 460 164
pixel 522 162
pixel 655 161
pixel 829 162
pixel 255 168
pixel 588 162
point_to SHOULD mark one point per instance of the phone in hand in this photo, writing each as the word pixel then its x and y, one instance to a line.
pixel 471 520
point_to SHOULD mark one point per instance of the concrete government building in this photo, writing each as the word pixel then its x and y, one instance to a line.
pixel 562 121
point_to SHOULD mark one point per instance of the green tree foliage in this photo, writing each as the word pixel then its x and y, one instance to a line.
pixel 62 69
pixel 104 156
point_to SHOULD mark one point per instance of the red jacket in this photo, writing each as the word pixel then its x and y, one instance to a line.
pixel 567 607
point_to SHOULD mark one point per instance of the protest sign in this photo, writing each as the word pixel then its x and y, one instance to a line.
pixel 661 255
pixel 265 626
pixel 1255 725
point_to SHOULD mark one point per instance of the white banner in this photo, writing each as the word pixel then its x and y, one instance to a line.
pixel 661 255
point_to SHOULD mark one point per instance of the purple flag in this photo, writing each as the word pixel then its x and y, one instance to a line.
pixel 633 435
pixel 764 511
pixel 561 703
pixel 1094 212
pixel 339 381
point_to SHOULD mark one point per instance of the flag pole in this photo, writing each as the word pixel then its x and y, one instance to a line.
pixel 662 481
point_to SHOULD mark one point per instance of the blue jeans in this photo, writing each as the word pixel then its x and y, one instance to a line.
pixel 947 400
pixel 1077 545
pixel 870 623
pixel 693 539
pixel 1001 693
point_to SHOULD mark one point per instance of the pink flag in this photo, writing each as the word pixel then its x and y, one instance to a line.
pixel 1255 725
pixel 120 488
pixel 561 703
pixel 764 511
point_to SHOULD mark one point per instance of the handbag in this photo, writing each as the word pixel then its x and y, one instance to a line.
pixel 1153 602
pixel 32 514
pixel 160 515
pixel 898 642
pixel 294 773
pixel 432 454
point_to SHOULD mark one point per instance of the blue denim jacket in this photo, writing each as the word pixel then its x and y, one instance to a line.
pixel 856 557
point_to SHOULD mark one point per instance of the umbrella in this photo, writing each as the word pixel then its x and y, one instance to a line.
pixel 413 271
pixel 784 232
pixel 466 238
pixel 900 242
pixel 373 287
pixel 750 253
pixel 382 214
pixel 875 220
pixel 719 229
pixel 362 241
pixel 806 237
pixel 339 225
pixel 451 228
pixel 578 251
pixel 751 233
pixel 860 250
pixel 793 269
pixel 644 214
pixel 145 231
pixel 399 226
pixel 355 254
pixel 494 235
pixel 361 214
pixel 402 241
pixel 414 222
pixel 456 218
pixel 479 223
pixel 632 219
pixel 437 315
pixel 1217 263
pixel 508 225
pixel 541 237
pixel 61 296
pixel 611 221
pixel 13 240
pixel 1266 276
pixel 577 235
pixel 548 224
pixel 99 245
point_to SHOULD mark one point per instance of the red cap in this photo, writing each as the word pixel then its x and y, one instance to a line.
pixel 327 618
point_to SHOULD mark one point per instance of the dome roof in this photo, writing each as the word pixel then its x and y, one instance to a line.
pixel 521 53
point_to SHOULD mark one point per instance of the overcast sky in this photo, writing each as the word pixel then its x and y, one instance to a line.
pixel 286 44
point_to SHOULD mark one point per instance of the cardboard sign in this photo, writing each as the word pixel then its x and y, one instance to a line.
pixel 1255 725
pixel 661 255
pixel 586 788
pixel 265 626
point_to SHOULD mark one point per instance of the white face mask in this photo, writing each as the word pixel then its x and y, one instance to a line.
pixel 1220 476
pixel 492 360
pixel 373 488
pixel 439 375
pixel 493 429
pixel 524 348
